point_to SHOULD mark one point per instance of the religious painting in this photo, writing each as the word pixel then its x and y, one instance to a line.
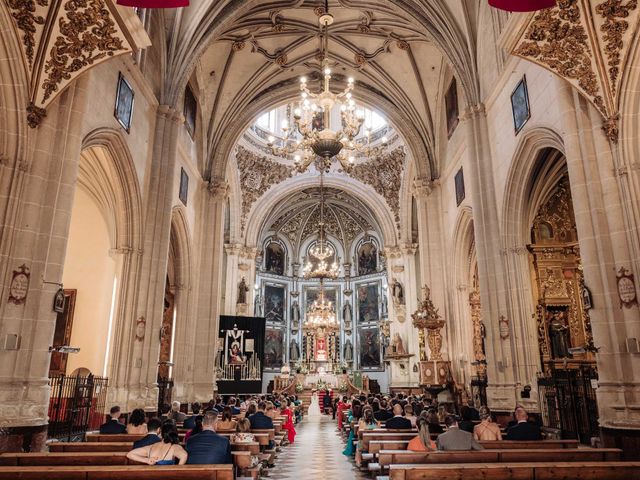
pixel 520 105
pixel 274 303
pixel 274 348
pixel 274 258
pixel 235 347
pixel 368 303
pixel 190 110
pixel 451 107
pixel 62 332
pixel 369 347
pixel 183 193
pixel 124 103
pixel 460 192
pixel 367 259
pixel 313 294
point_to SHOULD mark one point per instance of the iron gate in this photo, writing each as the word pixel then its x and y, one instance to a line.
pixel 76 405
pixel 568 402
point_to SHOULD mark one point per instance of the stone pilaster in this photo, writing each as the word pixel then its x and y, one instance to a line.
pixel 502 372
pixel 605 247
pixel 36 208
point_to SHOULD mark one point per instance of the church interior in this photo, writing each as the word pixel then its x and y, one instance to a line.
pixel 397 202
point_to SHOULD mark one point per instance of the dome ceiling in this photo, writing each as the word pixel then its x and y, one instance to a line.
pixel 255 63
pixel 298 215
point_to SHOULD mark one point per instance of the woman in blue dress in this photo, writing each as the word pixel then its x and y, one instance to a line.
pixel 354 417
pixel 165 452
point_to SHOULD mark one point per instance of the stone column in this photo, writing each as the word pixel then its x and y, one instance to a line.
pixel 36 200
pixel 604 249
pixel 503 376
pixel 208 308
pixel 134 383
pixel 233 278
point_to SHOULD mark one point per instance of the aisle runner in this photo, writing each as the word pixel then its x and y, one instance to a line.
pixel 316 454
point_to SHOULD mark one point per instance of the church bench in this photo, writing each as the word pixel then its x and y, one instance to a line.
pixel 386 442
pixel 64 459
pixel 105 447
pixel 125 472
pixel 119 437
pixel 533 444
pixel 519 471
pixel 390 457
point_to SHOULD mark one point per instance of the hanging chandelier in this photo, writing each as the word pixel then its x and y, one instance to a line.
pixel 312 137
pixel 321 314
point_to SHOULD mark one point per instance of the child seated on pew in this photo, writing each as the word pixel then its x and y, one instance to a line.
pixel 162 453
pixel 243 435
pixel 422 442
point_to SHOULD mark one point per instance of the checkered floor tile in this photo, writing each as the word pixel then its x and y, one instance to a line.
pixel 316 454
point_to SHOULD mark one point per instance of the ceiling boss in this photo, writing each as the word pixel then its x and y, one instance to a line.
pixel 313 134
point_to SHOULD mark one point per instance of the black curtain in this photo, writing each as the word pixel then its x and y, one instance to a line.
pixel 254 329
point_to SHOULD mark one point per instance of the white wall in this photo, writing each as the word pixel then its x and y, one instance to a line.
pixel 90 269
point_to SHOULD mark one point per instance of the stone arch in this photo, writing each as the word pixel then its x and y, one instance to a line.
pixel 256 220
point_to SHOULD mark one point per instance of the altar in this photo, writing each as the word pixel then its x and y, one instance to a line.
pixel 312 379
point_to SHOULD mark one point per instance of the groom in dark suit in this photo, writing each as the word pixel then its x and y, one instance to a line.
pixel 259 421
pixel 208 447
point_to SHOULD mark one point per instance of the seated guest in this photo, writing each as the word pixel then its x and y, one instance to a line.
pixel 190 422
pixel 195 430
pixel 162 453
pixel 176 415
pixel 219 406
pixel 260 421
pixel 367 422
pixel 113 425
pixel 456 439
pixel 382 415
pixel 164 411
pixel 408 414
pixel 244 435
pixel 486 430
pixel 523 430
pixel 207 447
pixel 136 423
pixel 227 422
pixel 234 409
pixel 354 415
pixel 466 424
pixel 434 423
pixel 252 408
pixel 153 426
pixel 271 411
pixel 422 442
pixel 398 422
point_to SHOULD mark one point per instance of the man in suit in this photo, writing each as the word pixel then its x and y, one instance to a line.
pixel 113 426
pixel 382 415
pixel 398 422
pixel 190 422
pixel 153 426
pixel 523 430
pixel 456 439
pixel 232 404
pixel 208 447
pixel 176 415
pixel 259 421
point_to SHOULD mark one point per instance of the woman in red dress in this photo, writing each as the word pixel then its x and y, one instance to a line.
pixel 342 406
pixel 288 424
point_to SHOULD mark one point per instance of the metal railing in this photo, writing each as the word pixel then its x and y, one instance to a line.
pixel 76 405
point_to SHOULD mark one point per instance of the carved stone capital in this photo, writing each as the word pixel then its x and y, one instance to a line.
pixel 218 188
pixel 233 249
pixel 473 111
pixel 170 113
pixel 422 187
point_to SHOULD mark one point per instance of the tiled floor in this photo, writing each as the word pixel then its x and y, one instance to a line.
pixel 316 454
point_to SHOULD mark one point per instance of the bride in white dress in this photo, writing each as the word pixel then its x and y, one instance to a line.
pixel 314 409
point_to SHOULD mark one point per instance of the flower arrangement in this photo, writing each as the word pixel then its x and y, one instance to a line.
pixel 321 385
pixel 343 387
pixel 299 388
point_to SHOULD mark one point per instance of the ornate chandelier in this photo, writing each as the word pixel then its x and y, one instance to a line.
pixel 312 136
pixel 321 314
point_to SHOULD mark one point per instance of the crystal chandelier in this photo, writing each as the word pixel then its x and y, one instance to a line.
pixel 321 314
pixel 311 135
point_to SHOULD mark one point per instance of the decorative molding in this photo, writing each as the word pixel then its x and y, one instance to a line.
pixel 585 42
pixel 257 175
pixel 63 39
pixel 218 188
pixel 384 174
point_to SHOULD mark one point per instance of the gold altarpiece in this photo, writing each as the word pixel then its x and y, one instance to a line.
pixel 564 328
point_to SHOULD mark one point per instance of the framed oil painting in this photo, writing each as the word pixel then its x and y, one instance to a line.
pixel 368 298
pixel 460 192
pixel 369 347
pixel 183 193
pixel 124 103
pixel 274 303
pixel 520 105
pixel 274 258
pixel 367 259
pixel 273 348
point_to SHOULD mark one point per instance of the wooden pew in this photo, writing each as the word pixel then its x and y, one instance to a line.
pixel 124 472
pixel 520 471
pixel 95 447
pixel 64 459
pixel 392 457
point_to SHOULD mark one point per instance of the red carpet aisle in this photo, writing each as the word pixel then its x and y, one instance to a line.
pixel 316 454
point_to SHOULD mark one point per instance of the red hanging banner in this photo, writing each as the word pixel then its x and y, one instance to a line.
pixel 154 3
pixel 522 5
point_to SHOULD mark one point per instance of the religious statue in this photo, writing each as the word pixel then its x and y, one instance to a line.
pixel 398 346
pixel 295 312
pixel 258 305
pixel 397 292
pixel 235 354
pixel 294 351
pixel 558 332
pixel 242 291
pixel 348 351
pixel 347 313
